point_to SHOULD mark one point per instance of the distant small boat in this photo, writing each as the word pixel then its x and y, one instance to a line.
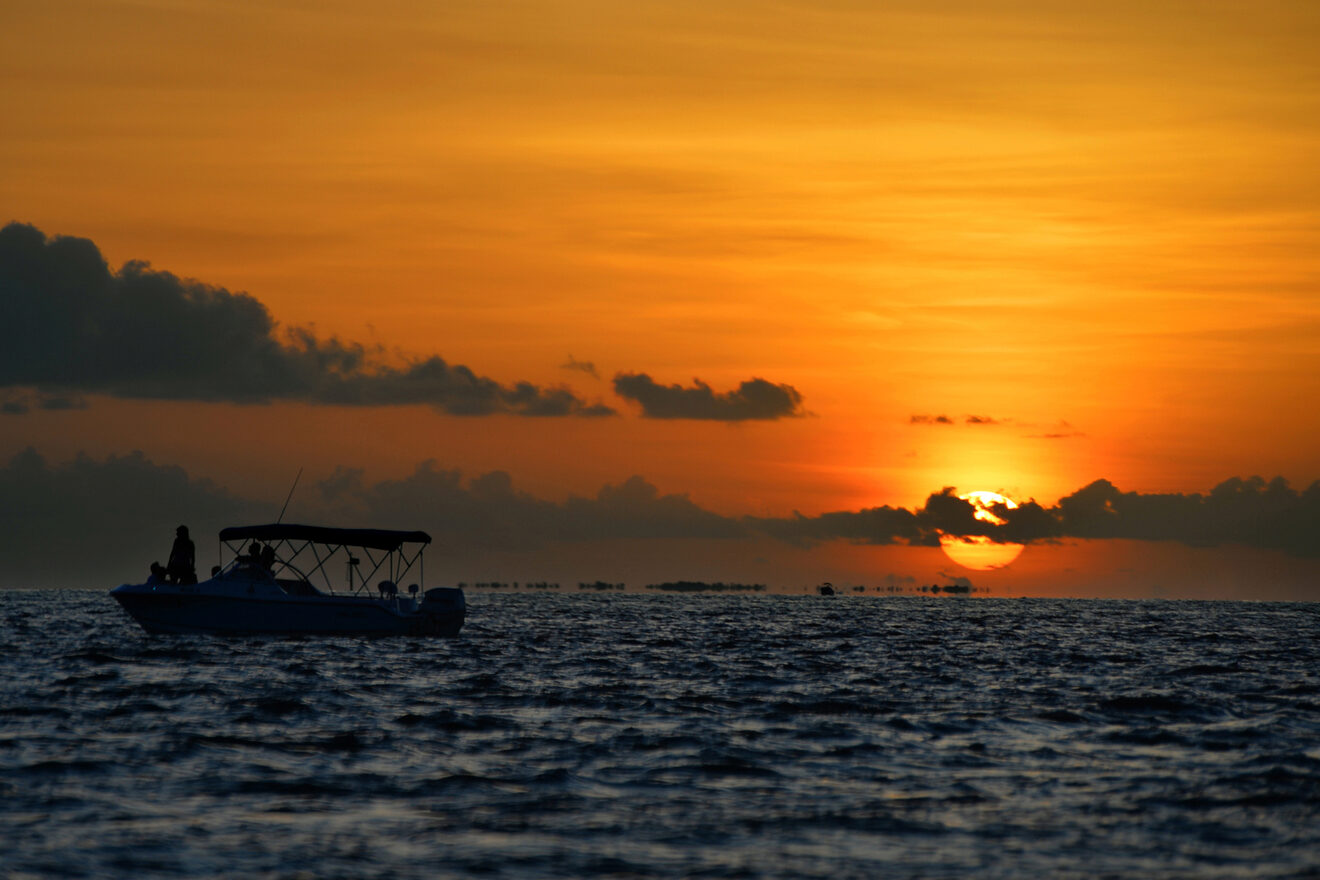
pixel 266 592
pixel 826 589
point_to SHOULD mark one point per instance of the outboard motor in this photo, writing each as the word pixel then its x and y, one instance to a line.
pixel 444 609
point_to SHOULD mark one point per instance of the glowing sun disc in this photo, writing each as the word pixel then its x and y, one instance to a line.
pixel 978 552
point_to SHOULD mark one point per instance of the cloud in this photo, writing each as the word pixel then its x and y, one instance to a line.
pixel 77 327
pixel 581 366
pixel 927 419
pixel 20 401
pixel 487 511
pixel 1250 512
pixel 1061 431
pixel 755 399
pixel 943 513
pixel 99 523
pixel 876 525
pixel 93 522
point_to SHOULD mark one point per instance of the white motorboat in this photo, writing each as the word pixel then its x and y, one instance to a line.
pixel 278 581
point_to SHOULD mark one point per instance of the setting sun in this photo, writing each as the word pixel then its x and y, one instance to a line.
pixel 978 552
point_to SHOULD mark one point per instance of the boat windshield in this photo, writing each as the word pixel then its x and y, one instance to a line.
pixel 246 569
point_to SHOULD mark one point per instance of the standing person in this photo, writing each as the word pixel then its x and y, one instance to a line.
pixel 182 567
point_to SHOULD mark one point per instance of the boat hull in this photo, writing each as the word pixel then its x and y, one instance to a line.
pixel 224 608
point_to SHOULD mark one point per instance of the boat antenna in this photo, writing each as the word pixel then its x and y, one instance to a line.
pixel 290 498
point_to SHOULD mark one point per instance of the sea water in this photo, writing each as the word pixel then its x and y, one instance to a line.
pixel 673 736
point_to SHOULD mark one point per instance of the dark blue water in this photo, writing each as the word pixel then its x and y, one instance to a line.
pixel 631 736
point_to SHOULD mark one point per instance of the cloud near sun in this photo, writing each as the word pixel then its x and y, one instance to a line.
pixel 77 327
pixel 1251 512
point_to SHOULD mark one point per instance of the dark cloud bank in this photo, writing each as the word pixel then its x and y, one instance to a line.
pixel 74 326
pixel 74 524
pixel 75 521
pixel 1250 512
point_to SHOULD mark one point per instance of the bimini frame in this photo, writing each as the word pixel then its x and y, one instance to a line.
pixel 381 547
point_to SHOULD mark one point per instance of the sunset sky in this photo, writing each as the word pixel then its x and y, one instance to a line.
pixel 644 291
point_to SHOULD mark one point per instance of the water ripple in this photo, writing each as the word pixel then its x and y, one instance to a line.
pixel 629 736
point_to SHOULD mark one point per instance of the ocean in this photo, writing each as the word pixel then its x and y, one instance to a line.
pixel 626 735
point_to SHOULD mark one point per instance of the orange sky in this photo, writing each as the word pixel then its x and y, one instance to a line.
pixel 1097 224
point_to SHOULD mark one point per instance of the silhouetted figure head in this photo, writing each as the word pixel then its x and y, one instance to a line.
pixel 181 531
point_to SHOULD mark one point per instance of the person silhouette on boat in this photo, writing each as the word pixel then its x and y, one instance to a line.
pixel 259 556
pixel 157 574
pixel 182 567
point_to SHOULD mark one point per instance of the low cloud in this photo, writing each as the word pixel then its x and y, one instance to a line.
pixel 755 399
pixel 929 420
pixel 77 327
pixel 487 511
pixel 876 525
pixel 1251 512
pixel 20 401
pixel 100 523
pixel 94 522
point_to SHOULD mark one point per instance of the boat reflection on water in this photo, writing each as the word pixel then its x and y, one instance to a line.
pixel 280 584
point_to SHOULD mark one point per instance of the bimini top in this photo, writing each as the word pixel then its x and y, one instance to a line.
pixel 376 539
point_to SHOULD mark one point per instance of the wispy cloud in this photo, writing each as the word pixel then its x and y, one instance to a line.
pixel 941 419
pixel 580 366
